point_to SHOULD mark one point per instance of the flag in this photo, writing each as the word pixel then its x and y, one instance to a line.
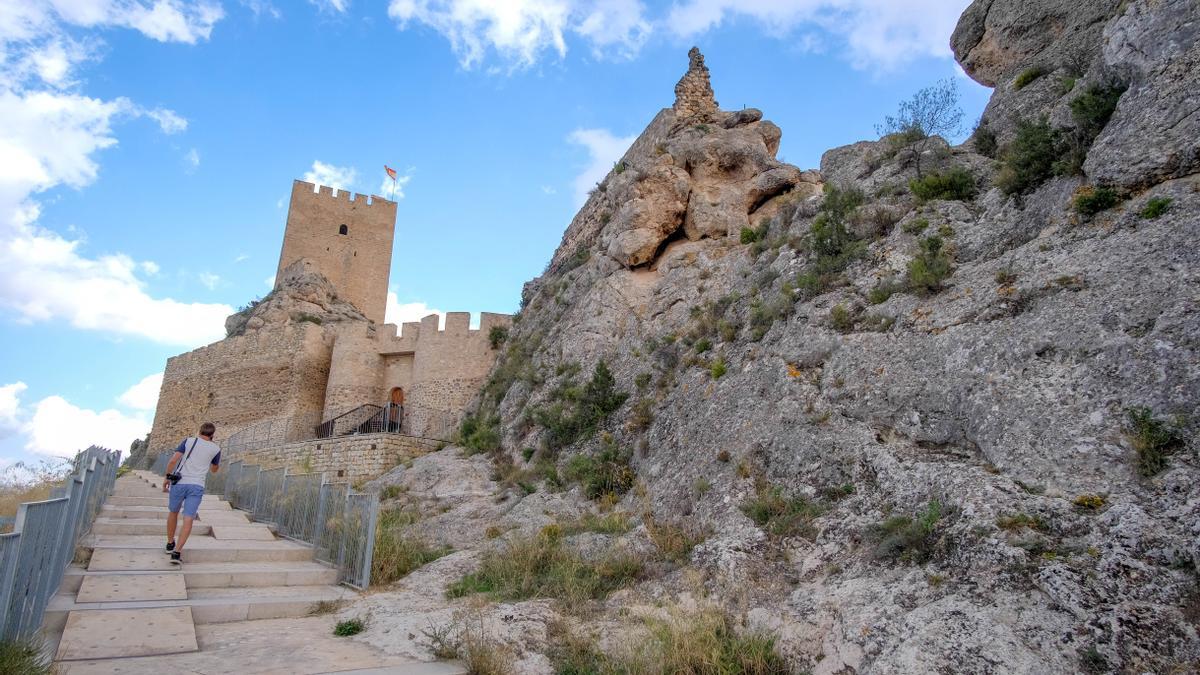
pixel 390 171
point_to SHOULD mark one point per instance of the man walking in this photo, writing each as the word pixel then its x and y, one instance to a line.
pixel 193 460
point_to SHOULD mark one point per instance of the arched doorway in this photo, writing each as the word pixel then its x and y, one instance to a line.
pixel 395 406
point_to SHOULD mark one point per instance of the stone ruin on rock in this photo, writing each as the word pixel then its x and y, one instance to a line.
pixel 316 347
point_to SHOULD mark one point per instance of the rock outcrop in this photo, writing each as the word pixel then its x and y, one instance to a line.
pixel 953 435
pixel 303 294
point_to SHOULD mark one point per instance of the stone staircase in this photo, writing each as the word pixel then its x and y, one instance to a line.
pixel 129 604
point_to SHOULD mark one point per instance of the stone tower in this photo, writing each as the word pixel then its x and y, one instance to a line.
pixel 693 94
pixel 347 237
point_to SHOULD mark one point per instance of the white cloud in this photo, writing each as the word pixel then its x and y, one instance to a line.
pixel 262 8
pixel 339 177
pixel 879 34
pixel 60 429
pixel 168 120
pixel 241 257
pixel 144 394
pixel 209 280
pixel 520 31
pixel 10 407
pixel 192 157
pixel 398 312
pixel 339 6
pixel 604 149
pixel 44 277
pixel 385 188
pixel 270 281
pixel 546 189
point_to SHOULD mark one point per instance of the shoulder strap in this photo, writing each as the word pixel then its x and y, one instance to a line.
pixel 187 454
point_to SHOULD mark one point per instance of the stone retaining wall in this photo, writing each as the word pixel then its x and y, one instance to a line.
pixel 353 459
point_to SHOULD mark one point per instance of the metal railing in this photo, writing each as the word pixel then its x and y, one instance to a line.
pixel 34 556
pixel 353 421
pixel 338 522
pixel 268 433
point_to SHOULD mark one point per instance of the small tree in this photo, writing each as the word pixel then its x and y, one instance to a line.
pixel 932 111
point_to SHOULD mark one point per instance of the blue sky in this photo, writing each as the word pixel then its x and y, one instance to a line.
pixel 147 149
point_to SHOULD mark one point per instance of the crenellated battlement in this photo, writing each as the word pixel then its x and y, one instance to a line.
pixel 345 196
pixel 410 336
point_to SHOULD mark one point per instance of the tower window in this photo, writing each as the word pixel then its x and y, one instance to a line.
pixel 343 230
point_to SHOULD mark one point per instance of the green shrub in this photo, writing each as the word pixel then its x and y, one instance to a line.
pixel 885 289
pixel 1155 207
pixel 642 380
pixel 1089 502
pixel 985 141
pixel 396 554
pixel 497 336
pixel 1090 111
pixel 1027 77
pixel 912 540
pixel 930 267
pixel 1005 276
pixel 1153 439
pixel 916 226
pixel 480 433
pixel 764 314
pixel 575 412
pixel 749 235
pixel 955 184
pixel 643 414
pixel 349 627
pixel 841 319
pixel 542 567
pixel 1029 160
pixel 1089 201
pixel 717 369
pixel 608 473
pixel 24 657
pixel 702 345
pixel 782 516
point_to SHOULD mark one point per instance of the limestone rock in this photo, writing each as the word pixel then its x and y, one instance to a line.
pixel 995 39
pixel 1155 132
pixel 302 294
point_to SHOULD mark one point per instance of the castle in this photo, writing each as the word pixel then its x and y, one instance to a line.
pixel 313 360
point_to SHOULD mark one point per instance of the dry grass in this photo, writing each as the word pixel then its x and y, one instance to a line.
pixel 25 482
pixel 467 639
pixel 542 567
pixel 694 643
pixel 397 554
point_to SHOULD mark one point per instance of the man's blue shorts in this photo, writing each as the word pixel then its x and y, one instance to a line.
pixel 186 496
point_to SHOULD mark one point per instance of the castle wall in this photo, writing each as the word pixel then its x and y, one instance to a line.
pixel 357 373
pixel 359 262
pixel 350 459
pixel 276 372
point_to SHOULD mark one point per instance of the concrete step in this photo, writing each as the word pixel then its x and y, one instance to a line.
pixel 210 515
pixel 144 526
pixel 224 575
pixel 124 632
pixel 127 552
pixel 160 501
pixel 213 605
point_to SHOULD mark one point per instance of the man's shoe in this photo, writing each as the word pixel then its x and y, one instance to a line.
pixel 175 558
pixel 170 546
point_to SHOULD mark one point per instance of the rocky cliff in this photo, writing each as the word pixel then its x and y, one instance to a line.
pixel 901 421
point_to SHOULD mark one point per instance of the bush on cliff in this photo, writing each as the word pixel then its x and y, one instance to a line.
pixel 575 412
pixel 954 184
pixel 1029 160
pixel 930 268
